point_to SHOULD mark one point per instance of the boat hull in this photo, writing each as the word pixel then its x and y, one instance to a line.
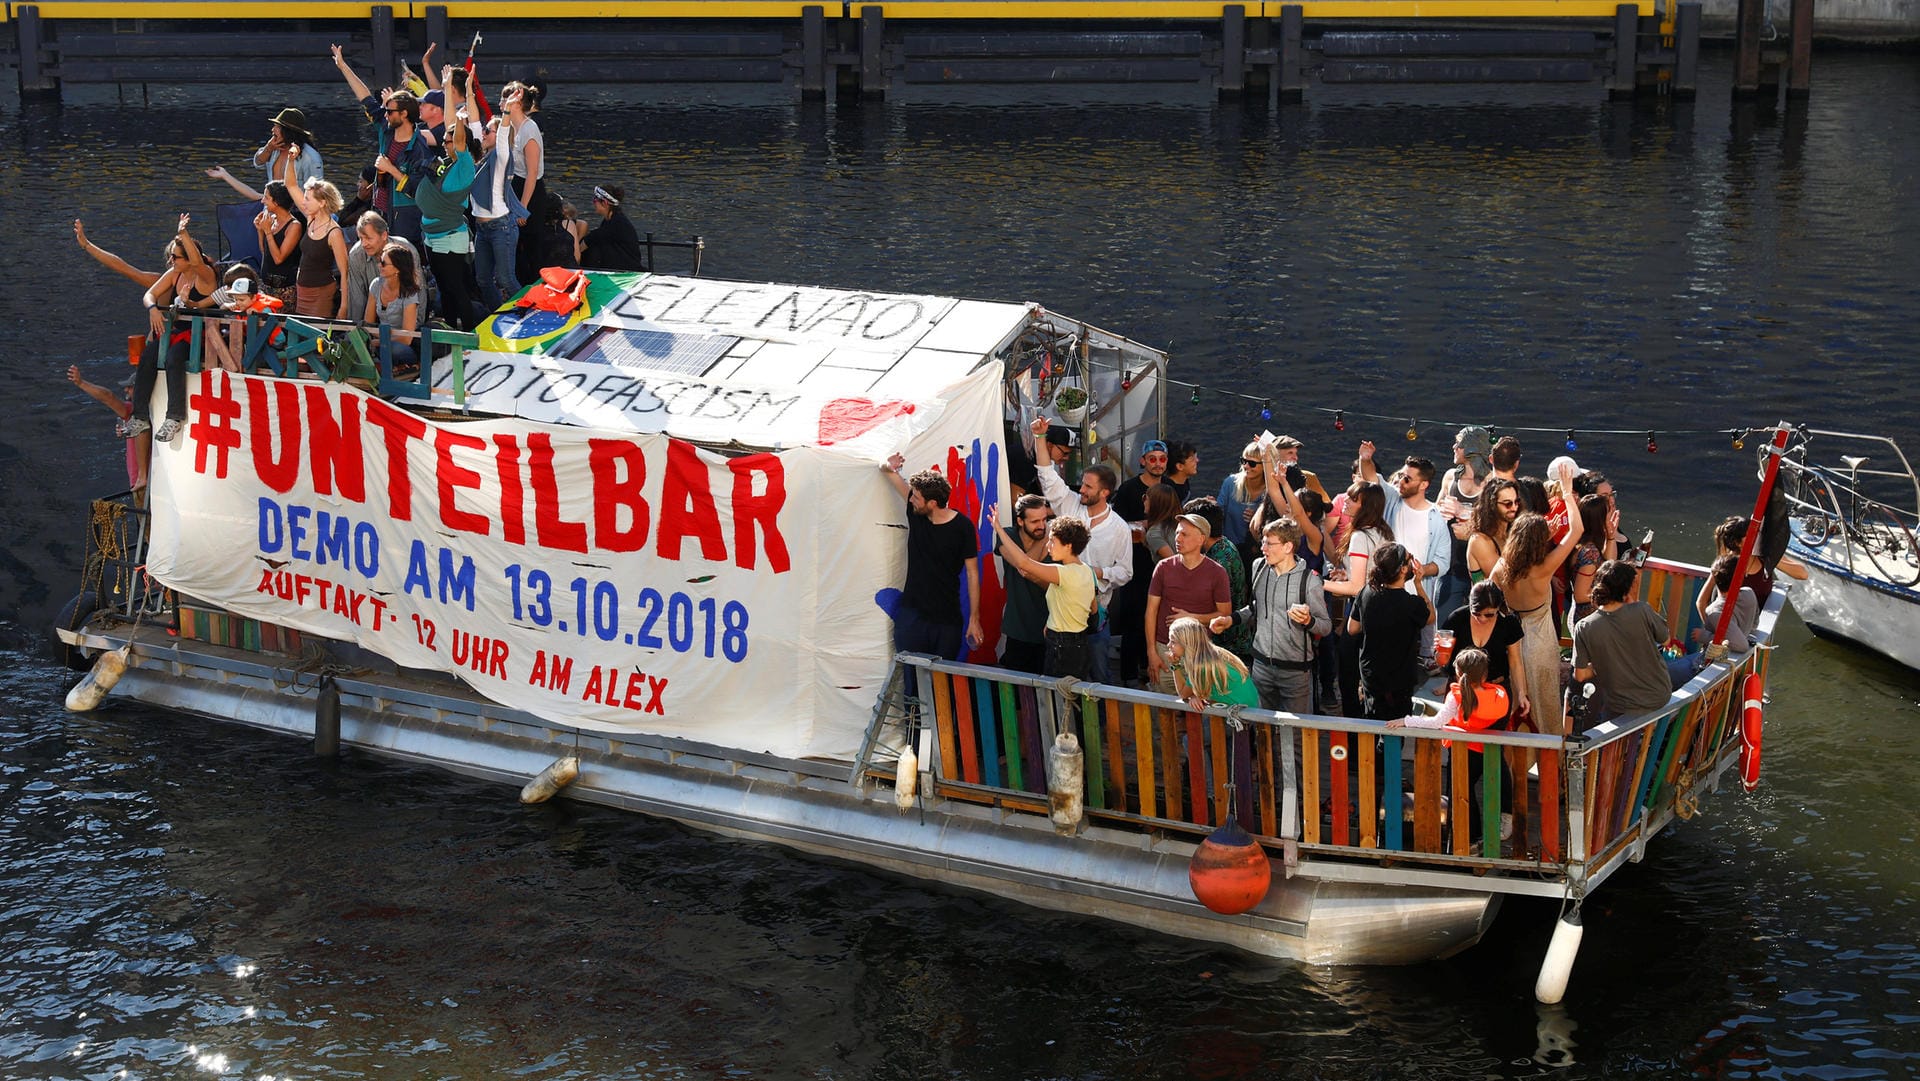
pixel 1843 603
pixel 1131 877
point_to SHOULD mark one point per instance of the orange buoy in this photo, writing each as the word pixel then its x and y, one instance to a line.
pixel 1230 872
pixel 1751 692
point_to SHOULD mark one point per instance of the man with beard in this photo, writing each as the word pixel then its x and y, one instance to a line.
pixel 941 545
pixel 1110 545
pixel 1130 503
pixel 1024 620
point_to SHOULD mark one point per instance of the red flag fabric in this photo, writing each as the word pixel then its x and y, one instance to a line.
pixel 473 92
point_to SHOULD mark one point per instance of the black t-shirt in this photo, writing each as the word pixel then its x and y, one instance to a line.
pixel 1506 631
pixel 1130 503
pixel 936 556
pixel 1390 622
pixel 1130 500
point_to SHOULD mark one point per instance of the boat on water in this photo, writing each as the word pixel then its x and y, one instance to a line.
pixel 637 551
pixel 1851 504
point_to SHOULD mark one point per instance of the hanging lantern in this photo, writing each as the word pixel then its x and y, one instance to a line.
pixel 1413 431
pixel 1266 410
pixel 1740 439
pixel 1571 445
pixel 1339 420
pixel 1196 394
pixel 1653 447
pixel 1230 872
pixel 1093 435
pixel 1126 384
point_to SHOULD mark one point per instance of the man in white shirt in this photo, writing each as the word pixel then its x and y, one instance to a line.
pixel 1418 526
pixel 1109 548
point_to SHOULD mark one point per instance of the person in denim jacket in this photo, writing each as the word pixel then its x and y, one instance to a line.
pixel 498 214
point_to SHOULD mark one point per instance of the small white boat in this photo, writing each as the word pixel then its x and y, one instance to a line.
pixel 1851 503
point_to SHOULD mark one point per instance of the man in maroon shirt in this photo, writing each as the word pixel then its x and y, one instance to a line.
pixel 1185 583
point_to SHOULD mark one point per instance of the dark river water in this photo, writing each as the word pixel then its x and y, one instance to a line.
pixel 182 898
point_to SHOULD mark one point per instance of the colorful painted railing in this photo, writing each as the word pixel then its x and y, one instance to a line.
pixel 1343 790
pixel 291 346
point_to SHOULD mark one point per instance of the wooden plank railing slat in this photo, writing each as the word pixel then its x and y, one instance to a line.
pixel 1491 767
pixel 1093 750
pixel 1035 756
pixel 989 732
pixel 1550 817
pixel 1369 802
pixel 1196 770
pixel 1220 753
pixel 1010 734
pixel 1519 760
pixel 1460 800
pixel 1172 800
pixel 1143 758
pixel 1426 796
pixel 1240 747
pixel 1393 836
pixel 1267 779
pixel 1338 772
pixel 943 726
pixel 1116 751
pixel 1310 810
pixel 964 730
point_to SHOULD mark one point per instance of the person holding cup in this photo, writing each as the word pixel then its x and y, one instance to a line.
pixel 1287 609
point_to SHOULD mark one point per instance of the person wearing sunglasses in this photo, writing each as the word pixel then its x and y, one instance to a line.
pixel 1493 514
pixel 188 284
pixel 407 151
pixel 1242 492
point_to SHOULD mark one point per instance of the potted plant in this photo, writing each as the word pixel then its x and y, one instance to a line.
pixel 1071 405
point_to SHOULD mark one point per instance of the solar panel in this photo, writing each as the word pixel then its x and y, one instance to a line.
pixel 655 350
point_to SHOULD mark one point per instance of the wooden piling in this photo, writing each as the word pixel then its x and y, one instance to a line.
pixel 1293 54
pixel 1748 23
pixel 873 62
pixel 1233 50
pixel 1626 38
pixel 1686 51
pixel 1800 49
pixel 385 71
pixel 29 34
pixel 813 52
pixel 439 34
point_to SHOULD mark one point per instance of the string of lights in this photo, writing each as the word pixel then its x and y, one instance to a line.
pixel 1338 416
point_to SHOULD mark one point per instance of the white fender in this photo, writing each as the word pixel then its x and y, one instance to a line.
pixel 548 782
pixel 906 779
pixel 106 672
pixel 1551 987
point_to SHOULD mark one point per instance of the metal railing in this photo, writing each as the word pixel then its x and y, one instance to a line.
pixel 286 345
pixel 1862 519
pixel 1350 797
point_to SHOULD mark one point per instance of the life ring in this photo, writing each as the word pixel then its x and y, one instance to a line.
pixel 1752 693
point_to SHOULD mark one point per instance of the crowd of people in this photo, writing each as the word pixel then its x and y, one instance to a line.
pixel 1269 592
pixel 451 214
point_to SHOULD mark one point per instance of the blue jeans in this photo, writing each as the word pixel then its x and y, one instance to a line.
pixel 493 245
pixel 1099 670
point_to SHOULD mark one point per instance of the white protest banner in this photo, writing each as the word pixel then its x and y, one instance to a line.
pixel 611 581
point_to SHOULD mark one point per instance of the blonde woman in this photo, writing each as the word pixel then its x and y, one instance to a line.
pixel 323 256
pixel 1203 672
pixel 1242 492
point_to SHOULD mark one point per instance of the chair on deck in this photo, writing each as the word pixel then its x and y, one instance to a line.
pixel 239 241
